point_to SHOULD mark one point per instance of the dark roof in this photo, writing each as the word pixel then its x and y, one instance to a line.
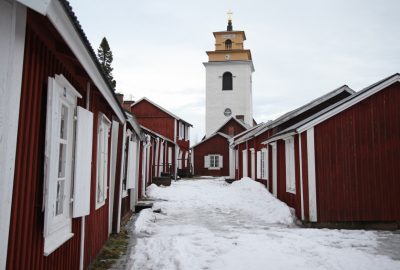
pixel 294 127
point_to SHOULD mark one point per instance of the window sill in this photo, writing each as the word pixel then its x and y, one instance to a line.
pixel 54 241
pixel 214 169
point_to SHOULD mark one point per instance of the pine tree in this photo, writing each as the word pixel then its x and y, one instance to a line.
pixel 105 57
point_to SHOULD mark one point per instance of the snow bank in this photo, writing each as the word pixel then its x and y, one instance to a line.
pixel 256 199
pixel 209 224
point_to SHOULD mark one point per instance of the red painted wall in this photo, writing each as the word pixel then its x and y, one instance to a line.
pixel 357 161
pixel 231 128
pixel 216 145
pixel 155 119
pixel 46 55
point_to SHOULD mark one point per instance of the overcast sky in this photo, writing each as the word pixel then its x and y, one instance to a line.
pixel 301 49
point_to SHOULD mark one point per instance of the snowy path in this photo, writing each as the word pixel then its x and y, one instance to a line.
pixel 208 224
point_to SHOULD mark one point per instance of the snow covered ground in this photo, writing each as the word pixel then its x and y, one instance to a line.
pixel 209 224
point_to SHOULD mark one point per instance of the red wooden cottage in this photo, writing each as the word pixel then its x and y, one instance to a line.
pixel 161 121
pixel 212 156
pixel 61 131
pixel 253 158
pixel 341 165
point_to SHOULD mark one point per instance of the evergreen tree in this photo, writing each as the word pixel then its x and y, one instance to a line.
pixel 105 57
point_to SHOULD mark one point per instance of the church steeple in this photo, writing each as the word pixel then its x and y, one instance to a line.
pixel 229 27
pixel 229 45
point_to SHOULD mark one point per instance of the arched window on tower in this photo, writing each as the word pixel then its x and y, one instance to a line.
pixel 227 81
pixel 228 44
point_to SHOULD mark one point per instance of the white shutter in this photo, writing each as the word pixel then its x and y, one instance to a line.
pixel 221 161
pixel 83 162
pixel 206 161
pixel 258 164
pixel 130 175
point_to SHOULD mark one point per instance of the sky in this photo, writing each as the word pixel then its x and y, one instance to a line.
pixel 301 49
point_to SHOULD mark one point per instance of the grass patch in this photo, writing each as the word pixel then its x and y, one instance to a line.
pixel 115 247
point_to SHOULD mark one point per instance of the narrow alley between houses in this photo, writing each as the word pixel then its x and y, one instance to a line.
pixel 210 224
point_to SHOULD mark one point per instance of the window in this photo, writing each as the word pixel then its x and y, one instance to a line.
pixel 290 165
pixel 264 163
pixel 227 112
pixel 60 129
pixel 181 130
pixel 213 162
pixel 227 83
pixel 228 44
pixel 102 159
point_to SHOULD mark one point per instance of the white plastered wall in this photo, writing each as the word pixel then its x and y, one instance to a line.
pixel 239 100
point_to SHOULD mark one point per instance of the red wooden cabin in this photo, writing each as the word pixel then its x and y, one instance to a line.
pixel 161 121
pixel 63 131
pixel 213 156
pixel 344 166
pixel 254 159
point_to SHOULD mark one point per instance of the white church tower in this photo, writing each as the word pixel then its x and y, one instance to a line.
pixel 228 80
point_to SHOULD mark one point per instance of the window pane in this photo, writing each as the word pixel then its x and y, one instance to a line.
pixel 60 197
pixel 64 122
pixel 62 160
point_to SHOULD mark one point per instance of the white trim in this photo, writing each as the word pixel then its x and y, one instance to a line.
pixel 312 190
pixel 280 137
pixel 10 93
pixel 301 178
pixel 349 103
pixel 39 6
pixel 103 122
pixel 245 163
pixel 290 165
pixel 274 169
pixel 66 29
pixel 231 163
pixel 113 167
pixel 121 175
pixel 253 165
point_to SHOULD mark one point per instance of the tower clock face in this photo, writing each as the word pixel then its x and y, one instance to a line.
pixel 227 56
pixel 227 112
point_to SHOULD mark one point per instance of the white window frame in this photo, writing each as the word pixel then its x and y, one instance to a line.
pixel 264 163
pixel 103 132
pixel 215 162
pixel 290 165
pixel 58 226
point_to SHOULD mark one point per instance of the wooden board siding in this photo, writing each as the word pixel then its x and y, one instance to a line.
pixel 96 224
pixel 26 225
pixel 46 55
pixel 357 161
pixel 155 119
pixel 231 128
pixel 216 145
